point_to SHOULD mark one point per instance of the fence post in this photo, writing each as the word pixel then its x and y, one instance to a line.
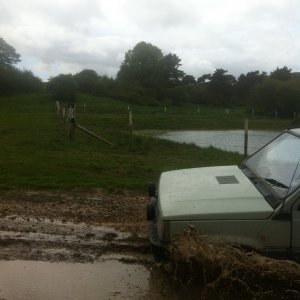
pixel 57 108
pixel 64 113
pixel 246 139
pixel 130 126
pixel 71 122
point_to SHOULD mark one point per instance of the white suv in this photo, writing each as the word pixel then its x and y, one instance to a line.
pixel 256 204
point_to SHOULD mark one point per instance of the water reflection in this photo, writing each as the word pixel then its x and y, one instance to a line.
pixel 109 279
pixel 228 140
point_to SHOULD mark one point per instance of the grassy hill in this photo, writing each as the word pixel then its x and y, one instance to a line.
pixel 36 153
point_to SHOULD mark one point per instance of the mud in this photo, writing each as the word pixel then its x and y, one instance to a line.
pixel 108 279
pixel 52 240
pixel 215 270
pixel 71 226
pixel 94 239
pixel 124 211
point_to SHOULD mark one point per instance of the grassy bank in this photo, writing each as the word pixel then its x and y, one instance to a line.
pixel 35 151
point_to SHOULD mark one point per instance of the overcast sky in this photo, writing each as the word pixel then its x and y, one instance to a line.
pixel 67 36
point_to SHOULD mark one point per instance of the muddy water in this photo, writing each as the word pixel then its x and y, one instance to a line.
pixel 107 279
pixel 43 259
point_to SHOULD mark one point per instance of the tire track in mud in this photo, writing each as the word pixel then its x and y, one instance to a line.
pixel 32 239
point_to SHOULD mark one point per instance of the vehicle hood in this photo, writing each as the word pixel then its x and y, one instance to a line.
pixel 222 193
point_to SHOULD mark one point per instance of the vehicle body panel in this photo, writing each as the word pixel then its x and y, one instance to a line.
pixel 257 233
pixel 192 194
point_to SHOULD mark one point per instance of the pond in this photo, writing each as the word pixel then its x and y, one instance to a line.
pixel 228 140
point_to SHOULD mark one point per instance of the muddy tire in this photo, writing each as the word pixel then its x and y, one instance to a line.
pixel 151 208
pixel 160 254
pixel 150 211
pixel 152 190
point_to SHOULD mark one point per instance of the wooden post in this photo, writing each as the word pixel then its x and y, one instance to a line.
pixel 72 123
pixel 57 108
pixel 198 109
pixel 93 135
pixel 64 113
pixel 84 107
pixel 130 126
pixel 246 139
pixel 165 109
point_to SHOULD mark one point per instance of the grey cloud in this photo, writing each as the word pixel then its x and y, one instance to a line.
pixel 71 35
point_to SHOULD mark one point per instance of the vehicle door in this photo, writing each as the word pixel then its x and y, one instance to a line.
pixel 295 246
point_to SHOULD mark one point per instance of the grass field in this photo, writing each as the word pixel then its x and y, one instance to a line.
pixel 35 152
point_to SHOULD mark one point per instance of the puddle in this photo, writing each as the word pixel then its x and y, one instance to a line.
pixel 108 279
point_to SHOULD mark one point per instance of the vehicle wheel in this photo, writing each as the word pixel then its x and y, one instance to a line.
pixel 151 210
pixel 160 254
pixel 152 190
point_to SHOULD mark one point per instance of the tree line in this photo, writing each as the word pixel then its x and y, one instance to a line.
pixel 13 80
pixel 148 76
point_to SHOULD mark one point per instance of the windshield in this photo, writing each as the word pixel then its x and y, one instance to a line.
pixel 278 164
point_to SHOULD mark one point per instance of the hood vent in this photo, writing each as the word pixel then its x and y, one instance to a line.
pixel 230 179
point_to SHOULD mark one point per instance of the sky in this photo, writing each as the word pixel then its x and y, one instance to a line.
pixel 67 36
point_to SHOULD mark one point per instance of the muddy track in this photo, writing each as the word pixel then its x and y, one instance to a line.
pixel 71 226
pixel 30 239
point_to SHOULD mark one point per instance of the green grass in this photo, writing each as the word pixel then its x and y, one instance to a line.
pixel 35 151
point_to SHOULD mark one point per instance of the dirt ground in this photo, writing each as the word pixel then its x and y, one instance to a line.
pixel 83 227
pixel 76 225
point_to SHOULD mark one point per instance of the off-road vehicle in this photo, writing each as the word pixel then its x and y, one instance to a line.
pixel 255 204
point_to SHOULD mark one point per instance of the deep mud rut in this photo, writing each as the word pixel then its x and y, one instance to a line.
pixel 94 245
pixel 75 226
pixel 97 235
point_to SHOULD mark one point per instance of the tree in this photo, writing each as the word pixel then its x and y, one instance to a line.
pixel 105 86
pixel 204 79
pixel 142 64
pixel 276 95
pixel 171 73
pixel 13 80
pixel 86 81
pixel 188 80
pixel 281 74
pixel 63 88
pixel 221 87
pixel 8 54
pixel 246 82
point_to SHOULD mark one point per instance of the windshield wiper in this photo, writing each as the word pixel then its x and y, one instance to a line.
pixel 276 183
pixel 247 171
pixel 272 181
